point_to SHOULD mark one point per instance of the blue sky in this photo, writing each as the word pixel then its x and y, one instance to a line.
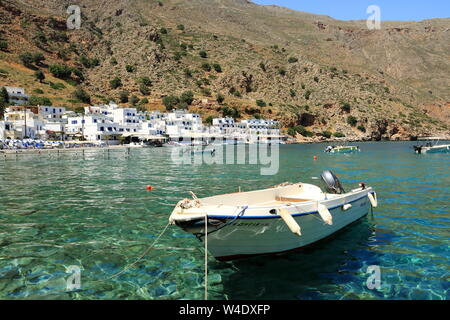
pixel 401 10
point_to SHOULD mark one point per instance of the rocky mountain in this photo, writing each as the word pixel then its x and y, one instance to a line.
pixel 319 76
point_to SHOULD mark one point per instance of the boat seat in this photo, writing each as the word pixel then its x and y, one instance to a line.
pixel 290 199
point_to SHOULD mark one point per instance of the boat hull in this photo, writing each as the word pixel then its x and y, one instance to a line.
pixel 443 149
pixel 246 237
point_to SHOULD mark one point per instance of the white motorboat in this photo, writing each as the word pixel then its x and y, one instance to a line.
pixel 342 149
pixel 275 220
pixel 429 148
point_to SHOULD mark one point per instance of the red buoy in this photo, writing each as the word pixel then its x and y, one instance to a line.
pixel 149 188
pixel 315 157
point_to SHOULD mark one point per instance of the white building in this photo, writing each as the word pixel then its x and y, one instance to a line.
pixel 53 113
pixel 180 124
pixel 93 128
pixel 17 95
pixel 25 123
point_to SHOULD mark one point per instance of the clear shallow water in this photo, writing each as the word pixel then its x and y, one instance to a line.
pixel 95 213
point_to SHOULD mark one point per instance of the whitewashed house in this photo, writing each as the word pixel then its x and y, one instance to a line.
pixel 93 128
pixel 51 113
pixel 17 95
pixel 24 122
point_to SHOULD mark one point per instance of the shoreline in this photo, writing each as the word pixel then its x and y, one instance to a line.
pixel 65 150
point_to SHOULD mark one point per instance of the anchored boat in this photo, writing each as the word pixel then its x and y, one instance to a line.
pixel 342 149
pixel 279 219
pixel 429 148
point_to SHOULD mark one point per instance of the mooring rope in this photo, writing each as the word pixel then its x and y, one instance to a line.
pixel 141 257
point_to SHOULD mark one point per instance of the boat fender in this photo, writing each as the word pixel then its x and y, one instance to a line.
pixel 290 221
pixel 373 199
pixel 346 206
pixel 325 214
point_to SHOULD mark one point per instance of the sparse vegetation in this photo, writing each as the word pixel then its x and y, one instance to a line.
pixel 361 128
pixel 115 83
pixel 170 102
pixel 39 75
pixel 261 103
pixel 39 101
pixel 220 98
pixel 299 130
pixel 346 107
pixel 81 95
pixel 351 120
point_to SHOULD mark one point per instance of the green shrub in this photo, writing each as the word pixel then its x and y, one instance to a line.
pixel 134 100
pixel 187 97
pixel 308 94
pixel 209 120
pixel 163 31
pixel 115 83
pixel 261 103
pixel 57 86
pixel 145 81
pixel 301 130
pixel 39 75
pixel 124 96
pixel 81 95
pixel 144 89
pixel 282 72
pixel 206 66
pixel 361 128
pixel 181 27
pixel 130 68
pixel 39 101
pixel 89 62
pixel 3 45
pixel 203 54
pixel 230 112
pixel 351 120
pixel 207 92
pixel 316 79
pixel 220 98
pixel 60 71
pixel 217 67
pixel 170 102
pixel 327 134
pixel 346 107
pixel 338 135
pixel 188 72
pixel 292 60
pixel 38 91
pixel 293 93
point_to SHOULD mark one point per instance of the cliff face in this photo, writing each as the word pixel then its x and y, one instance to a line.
pixel 308 70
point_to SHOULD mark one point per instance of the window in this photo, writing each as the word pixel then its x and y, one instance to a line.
pixel 74 121
pixel 102 128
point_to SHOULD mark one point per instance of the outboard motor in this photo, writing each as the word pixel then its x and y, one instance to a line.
pixel 333 185
pixel 418 149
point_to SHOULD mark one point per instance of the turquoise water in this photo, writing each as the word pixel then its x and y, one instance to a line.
pixel 94 212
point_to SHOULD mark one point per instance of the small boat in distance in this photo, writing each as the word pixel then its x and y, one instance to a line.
pixel 429 148
pixel 275 220
pixel 342 149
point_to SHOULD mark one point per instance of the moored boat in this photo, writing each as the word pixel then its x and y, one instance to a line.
pixel 443 148
pixel 342 149
pixel 275 220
